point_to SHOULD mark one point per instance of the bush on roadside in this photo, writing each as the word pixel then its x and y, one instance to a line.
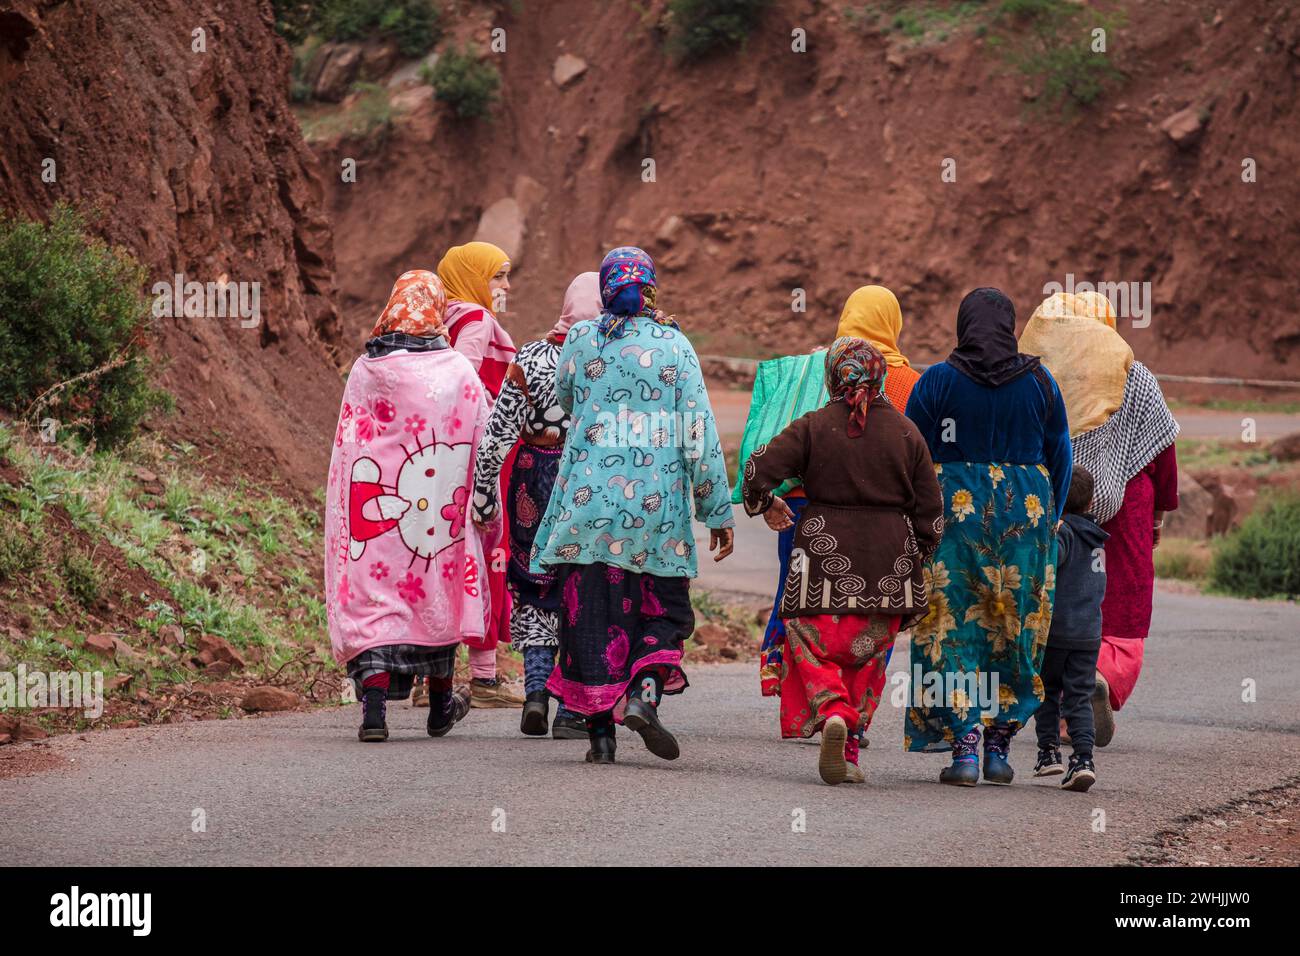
pixel 463 82
pixel 700 27
pixel 73 322
pixel 1262 558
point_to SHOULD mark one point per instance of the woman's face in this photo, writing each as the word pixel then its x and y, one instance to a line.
pixel 499 286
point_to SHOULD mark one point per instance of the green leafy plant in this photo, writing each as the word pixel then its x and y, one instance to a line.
pixel 463 82
pixel 1262 557
pixel 73 323
pixel 415 25
pixel 1051 42
pixel 700 27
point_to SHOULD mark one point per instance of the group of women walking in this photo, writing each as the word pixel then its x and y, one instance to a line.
pixel 545 496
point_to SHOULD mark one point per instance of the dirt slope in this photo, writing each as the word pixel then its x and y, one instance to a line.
pixel 196 165
pixel 821 170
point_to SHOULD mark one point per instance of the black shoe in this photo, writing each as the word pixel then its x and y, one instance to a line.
pixel 446 709
pixel 1049 762
pixel 568 728
pixel 373 729
pixel 602 749
pixel 533 720
pixel 1103 715
pixel 644 719
pixel 1081 775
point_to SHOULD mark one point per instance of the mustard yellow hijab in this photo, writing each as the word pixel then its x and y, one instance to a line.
pixel 872 313
pixel 1075 335
pixel 466 270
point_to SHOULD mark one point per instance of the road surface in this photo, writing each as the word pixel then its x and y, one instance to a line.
pixel 299 789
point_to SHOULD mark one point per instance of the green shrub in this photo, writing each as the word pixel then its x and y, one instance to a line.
pixel 1262 557
pixel 1050 42
pixel 18 552
pixel 72 329
pixel 701 26
pixel 414 24
pixel 467 85
pixel 82 577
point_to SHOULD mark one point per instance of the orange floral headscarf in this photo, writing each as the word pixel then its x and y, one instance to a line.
pixel 416 306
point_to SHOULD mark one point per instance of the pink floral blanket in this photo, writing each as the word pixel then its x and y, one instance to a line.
pixel 403 562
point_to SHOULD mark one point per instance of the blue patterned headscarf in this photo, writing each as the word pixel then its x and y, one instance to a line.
pixel 627 288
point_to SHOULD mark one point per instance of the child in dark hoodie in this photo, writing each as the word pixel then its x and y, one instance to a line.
pixel 1070 664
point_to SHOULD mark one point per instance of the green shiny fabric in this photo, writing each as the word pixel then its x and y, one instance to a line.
pixel 785 388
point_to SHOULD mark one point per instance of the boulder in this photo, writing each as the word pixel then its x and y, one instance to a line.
pixel 502 223
pixel 1223 510
pixel 568 68
pixel 1195 506
pixel 1184 127
pixel 711 635
pixel 270 699
pixel 212 648
pixel 1286 448
pixel 104 645
pixel 377 58
pixel 334 70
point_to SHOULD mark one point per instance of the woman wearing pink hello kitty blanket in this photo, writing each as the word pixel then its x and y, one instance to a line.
pixel 404 566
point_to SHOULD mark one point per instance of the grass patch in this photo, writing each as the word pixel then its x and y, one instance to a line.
pixel 918 22
pixel 82 577
pixel 1183 559
pixel 370 115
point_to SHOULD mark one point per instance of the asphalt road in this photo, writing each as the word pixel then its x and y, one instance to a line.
pixel 299 789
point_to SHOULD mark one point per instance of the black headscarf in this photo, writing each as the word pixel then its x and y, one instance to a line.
pixel 987 350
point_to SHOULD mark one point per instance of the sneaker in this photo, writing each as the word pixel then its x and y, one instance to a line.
pixel 374 728
pixel 1103 716
pixel 494 692
pixel 533 720
pixel 853 773
pixel 446 714
pixel 644 719
pixel 830 761
pixel 1049 763
pixel 1081 775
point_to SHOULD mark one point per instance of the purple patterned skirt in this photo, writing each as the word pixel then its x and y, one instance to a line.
pixel 615 624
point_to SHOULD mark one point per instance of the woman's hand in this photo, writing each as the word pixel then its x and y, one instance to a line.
pixel 1157 527
pixel 779 516
pixel 721 540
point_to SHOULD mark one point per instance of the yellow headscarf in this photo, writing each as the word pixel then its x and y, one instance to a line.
pixel 1075 334
pixel 872 313
pixel 466 270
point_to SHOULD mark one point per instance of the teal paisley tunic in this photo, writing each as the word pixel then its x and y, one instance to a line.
pixel 642 454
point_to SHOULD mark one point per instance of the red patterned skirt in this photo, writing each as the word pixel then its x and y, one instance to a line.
pixel 834 665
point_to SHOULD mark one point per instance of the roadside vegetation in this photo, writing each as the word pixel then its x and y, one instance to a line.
pixel 464 82
pixel 697 28
pixel 74 326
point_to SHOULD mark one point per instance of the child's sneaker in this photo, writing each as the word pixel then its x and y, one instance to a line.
pixel 1049 763
pixel 1081 775
pixel 1103 716
pixel 374 729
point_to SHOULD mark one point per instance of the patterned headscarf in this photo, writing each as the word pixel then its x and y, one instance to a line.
pixel 628 288
pixel 855 374
pixel 468 269
pixel 416 306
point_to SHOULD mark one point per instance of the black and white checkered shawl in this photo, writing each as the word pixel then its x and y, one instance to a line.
pixel 1116 450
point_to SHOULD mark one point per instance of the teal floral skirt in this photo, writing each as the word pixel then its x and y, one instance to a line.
pixel 977 653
